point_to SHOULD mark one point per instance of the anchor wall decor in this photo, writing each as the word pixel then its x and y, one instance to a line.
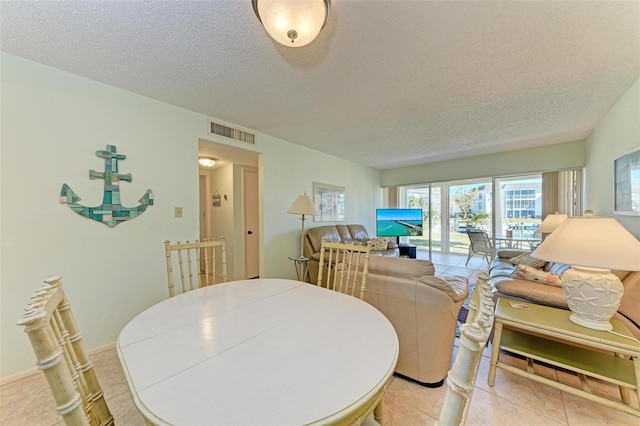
pixel 110 212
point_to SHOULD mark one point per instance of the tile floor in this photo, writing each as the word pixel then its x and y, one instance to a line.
pixel 512 401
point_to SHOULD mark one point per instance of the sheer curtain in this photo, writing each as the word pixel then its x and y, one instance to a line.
pixel 562 192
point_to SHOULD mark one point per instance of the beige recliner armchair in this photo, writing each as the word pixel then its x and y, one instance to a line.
pixel 423 309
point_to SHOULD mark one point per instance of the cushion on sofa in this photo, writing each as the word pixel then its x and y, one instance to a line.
pixel 527 259
pixel 379 244
pixel 315 236
pixel 525 272
pixel 345 235
pixel 358 232
pixel 530 290
pixel 556 268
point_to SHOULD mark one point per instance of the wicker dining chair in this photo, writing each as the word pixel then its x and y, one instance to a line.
pixel 61 356
pixel 201 267
pixel 473 338
pixel 347 267
pixel 480 243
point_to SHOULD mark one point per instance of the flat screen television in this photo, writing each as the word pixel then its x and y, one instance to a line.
pixel 399 222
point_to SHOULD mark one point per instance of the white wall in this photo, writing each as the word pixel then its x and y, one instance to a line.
pixel 290 170
pixel 617 134
pixel 52 122
pixel 222 217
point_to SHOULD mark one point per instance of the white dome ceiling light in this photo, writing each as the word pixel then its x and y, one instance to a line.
pixel 207 161
pixel 293 23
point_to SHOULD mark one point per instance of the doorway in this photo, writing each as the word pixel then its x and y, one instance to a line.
pixel 235 212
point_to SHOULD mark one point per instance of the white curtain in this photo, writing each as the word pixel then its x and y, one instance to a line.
pixel 562 192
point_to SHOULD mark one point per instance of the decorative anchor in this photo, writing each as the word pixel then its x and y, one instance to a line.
pixel 111 212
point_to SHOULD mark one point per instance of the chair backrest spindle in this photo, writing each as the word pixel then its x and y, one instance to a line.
pixel 201 263
pixel 347 267
pixel 473 338
pixel 61 356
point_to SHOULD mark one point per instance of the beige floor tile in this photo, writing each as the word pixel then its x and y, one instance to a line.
pixel 110 375
pixel 399 413
pixel 124 411
pixel 427 400
pixel 598 387
pixel 36 408
pixel 491 410
pixel 526 393
pixel 581 412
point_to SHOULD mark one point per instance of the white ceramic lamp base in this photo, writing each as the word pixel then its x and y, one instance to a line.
pixel 593 295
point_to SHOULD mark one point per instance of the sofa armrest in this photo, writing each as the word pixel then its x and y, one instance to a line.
pixel 509 253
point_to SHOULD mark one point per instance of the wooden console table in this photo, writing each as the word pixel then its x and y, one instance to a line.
pixel 546 334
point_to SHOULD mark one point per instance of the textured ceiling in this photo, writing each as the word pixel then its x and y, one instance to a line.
pixel 387 83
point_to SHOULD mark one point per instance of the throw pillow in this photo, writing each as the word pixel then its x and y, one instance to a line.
pixel 556 268
pixel 378 244
pixel 525 272
pixel 527 259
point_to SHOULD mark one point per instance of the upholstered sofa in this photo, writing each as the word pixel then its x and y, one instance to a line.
pixel 348 234
pixel 503 284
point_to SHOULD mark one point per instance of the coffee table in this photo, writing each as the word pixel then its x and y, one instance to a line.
pixel 546 334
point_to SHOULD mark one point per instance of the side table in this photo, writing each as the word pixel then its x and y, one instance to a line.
pixel 302 267
pixel 407 250
pixel 546 334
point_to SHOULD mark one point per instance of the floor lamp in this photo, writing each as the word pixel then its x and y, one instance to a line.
pixel 303 206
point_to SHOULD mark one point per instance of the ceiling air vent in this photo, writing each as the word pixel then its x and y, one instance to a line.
pixel 231 133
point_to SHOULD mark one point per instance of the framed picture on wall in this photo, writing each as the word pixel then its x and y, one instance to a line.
pixel 329 200
pixel 627 184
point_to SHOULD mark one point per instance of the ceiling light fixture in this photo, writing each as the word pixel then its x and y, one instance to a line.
pixel 293 23
pixel 207 161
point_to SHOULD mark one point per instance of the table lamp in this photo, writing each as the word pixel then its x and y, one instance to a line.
pixel 592 245
pixel 303 206
pixel 549 224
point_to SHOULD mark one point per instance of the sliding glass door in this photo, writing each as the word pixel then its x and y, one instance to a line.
pixel 518 210
pixel 470 207
pixel 508 208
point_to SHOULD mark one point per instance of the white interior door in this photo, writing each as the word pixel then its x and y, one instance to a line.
pixel 251 224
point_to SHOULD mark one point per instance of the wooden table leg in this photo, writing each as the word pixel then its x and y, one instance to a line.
pixel 378 413
pixel 495 352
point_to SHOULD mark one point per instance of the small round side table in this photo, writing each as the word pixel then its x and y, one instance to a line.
pixel 302 270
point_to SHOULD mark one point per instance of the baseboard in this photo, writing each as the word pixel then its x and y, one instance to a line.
pixel 33 371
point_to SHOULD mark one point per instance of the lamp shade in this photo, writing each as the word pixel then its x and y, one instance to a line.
pixel 303 205
pixel 550 223
pixel 293 23
pixel 594 242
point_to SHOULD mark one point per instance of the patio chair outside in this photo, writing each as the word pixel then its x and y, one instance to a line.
pixel 480 243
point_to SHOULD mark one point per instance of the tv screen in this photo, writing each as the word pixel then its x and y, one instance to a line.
pixel 399 222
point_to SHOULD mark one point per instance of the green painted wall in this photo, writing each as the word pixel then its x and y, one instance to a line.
pixel 52 124
pixel 617 134
pixel 551 157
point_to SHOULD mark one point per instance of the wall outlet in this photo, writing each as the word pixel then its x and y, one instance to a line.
pixel 178 212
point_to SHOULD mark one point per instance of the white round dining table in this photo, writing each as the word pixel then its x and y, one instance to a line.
pixel 258 352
